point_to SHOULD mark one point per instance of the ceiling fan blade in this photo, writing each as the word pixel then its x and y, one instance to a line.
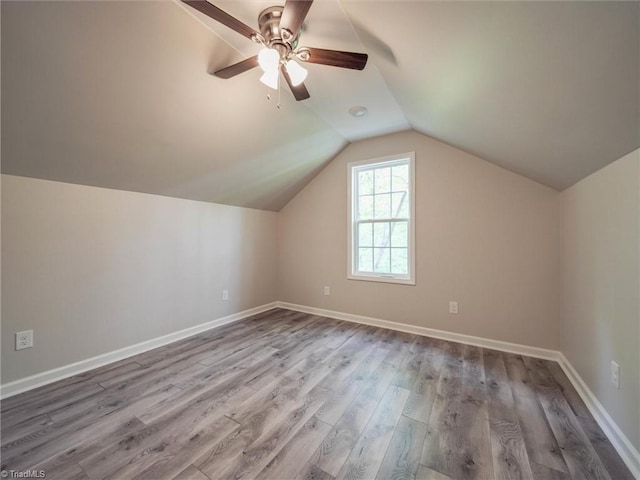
pixel 335 58
pixel 293 15
pixel 222 17
pixel 300 92
pixel 237 68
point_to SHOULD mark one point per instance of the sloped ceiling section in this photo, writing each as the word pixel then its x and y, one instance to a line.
pixel 550 90
pixel 119 95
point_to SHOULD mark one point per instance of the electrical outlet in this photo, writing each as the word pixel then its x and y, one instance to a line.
pixel 453 307
pixel 615 374
pixel 327 291
pixel 24 339
pixel 225 294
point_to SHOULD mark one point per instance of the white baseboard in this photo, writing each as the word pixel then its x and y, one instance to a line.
pixel 617 438
pixel 24 384
pixel 430 332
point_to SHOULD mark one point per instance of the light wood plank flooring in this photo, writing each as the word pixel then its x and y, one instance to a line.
pixel 286 395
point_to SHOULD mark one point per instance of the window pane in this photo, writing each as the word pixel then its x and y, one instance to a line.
pixel 365 235
pixel 382 180
pixel 381 234
pixel 399 234
pixel 400 178
pixel 365 259
pixel 382 207
pixel 399 205
pixel 402 207
pixel 365 182
pixel 381 260
pixel 399 264
pixel 365 207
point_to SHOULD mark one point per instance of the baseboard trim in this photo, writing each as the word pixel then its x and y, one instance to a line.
pixel 509 347
pixel 618 439
pixel 34 381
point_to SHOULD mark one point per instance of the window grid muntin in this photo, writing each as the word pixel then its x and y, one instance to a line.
pixel 391 220
pixel 376 246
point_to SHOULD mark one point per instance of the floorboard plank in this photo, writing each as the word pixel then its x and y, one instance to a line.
pixel 272 414
pixel 157 445
pixel 510 459
pixel 601 444
pixel 545 473
pixel 542 446
pixel 344 392
pixel 403 454
pixel 190 473
pixel 11 433
pixel 287 463
pixel 46 444
pixel 311 472
pixel 264 447
pixel 423 391
pixel 70 472
pixel 425 473
pixel 458 440
pixel 410 367
pixel 368 452
pixel 66 397
pixel 336 447
pixel 69 458
pixel 579 454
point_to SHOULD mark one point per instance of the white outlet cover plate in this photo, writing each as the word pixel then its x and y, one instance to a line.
pixel 24 339
pixel 615 374
pixel 453 307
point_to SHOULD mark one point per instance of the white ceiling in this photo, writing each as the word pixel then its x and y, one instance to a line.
pixel 118 94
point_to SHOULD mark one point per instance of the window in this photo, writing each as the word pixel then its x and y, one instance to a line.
pixel 381 220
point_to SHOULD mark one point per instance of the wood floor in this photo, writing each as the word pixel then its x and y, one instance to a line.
pixel 286 395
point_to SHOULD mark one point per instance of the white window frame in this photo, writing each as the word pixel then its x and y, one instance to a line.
pixel 352 274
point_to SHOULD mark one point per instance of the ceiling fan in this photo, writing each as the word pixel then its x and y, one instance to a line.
pixel 279 35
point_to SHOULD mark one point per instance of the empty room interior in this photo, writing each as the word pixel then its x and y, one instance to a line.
pixel 330 239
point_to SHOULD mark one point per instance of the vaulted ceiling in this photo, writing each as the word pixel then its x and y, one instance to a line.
pixel 120 95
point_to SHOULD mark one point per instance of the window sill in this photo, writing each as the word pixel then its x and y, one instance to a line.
pixel 382 279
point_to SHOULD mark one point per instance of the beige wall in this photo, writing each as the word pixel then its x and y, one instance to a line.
pixel 92 270
pixel 601 285
pixel 488 238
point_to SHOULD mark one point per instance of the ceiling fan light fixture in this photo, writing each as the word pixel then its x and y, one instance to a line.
pixel 268 59
pixel 296 72
pixel 279 32
pixel 270 78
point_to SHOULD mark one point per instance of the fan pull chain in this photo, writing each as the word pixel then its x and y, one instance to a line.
pixel 279 95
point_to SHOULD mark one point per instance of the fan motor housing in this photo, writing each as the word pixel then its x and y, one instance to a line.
pixel 269 22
